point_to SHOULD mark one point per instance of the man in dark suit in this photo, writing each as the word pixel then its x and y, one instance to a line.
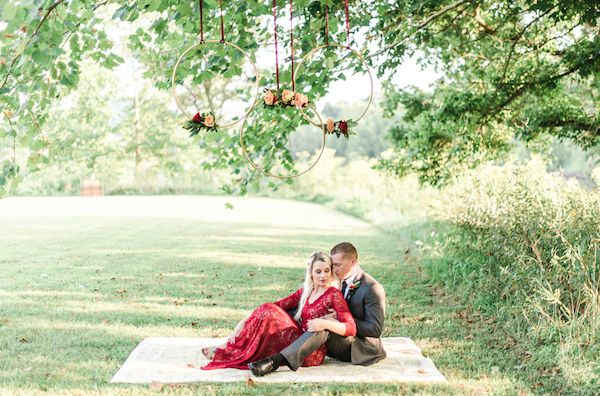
pixel 366 300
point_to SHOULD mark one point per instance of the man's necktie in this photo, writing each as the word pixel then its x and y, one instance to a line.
pixel 344 287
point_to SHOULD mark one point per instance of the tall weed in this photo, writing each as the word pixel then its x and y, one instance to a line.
pixel 528 250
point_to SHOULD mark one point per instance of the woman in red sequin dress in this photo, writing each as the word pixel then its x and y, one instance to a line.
pixel 270 328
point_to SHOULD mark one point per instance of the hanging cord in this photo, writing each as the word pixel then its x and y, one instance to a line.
pixel 222 28
pixel 201 23
pixel 347 27
pixel 327 23
pixel 292 43
pixel 276 51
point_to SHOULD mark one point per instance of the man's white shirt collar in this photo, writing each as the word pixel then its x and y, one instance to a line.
pixel 349 280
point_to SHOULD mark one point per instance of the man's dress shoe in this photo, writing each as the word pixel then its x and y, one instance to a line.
pixel 262 367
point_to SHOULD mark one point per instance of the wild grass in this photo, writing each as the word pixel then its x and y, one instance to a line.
pixel 78 293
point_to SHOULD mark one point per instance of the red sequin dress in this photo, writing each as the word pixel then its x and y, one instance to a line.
pixel 269 329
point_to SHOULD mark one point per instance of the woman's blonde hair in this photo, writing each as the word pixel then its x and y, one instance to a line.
pixel 308 280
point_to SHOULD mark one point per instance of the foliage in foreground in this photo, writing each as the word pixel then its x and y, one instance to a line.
pixel 511 68
pixel 528 250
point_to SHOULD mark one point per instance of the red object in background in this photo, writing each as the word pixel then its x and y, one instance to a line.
pixel 91 188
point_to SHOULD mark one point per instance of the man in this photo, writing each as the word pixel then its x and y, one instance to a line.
pixel 366 300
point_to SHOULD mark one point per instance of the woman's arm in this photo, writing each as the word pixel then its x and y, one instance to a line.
pixel 291 301
pixel 334 326
pixel 344 326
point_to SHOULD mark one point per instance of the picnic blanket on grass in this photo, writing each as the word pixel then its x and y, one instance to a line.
pixel 178 360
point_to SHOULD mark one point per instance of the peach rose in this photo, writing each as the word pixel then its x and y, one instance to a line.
pixel 270 98
pixel 209 120
pixel 287 96
pixel 301 100
pixel 330 125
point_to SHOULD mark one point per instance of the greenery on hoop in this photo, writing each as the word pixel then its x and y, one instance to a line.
pixel 284 98
pixel 340 128
pixel 201 122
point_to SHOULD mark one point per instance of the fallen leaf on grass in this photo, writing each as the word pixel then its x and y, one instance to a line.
pixel 23 340
pixel 156 385
pixel 250 382
pixel 194 324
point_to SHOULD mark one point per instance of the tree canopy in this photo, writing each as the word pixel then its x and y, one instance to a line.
pixel 510 69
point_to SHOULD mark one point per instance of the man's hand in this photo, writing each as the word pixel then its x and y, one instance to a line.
pixel 318 324
pixel 332 315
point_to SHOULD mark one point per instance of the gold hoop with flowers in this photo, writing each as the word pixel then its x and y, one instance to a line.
pixel 283 177
pixel 306 57
pixel 197 118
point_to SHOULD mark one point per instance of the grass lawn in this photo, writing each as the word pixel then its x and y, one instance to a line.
pixel 83 281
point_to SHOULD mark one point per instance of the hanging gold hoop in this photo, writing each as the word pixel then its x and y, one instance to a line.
pixel 354 52
pixel 174 82
pixel 283 177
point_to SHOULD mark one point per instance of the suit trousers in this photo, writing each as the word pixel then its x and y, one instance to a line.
pixel 337 347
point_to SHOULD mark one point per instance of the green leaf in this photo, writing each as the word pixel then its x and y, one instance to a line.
pixel 9 11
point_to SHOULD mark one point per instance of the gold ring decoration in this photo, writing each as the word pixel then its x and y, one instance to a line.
pixel 354 52
pixel 187 51
pixel 282 177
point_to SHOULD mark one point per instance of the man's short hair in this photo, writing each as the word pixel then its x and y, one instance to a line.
pixel 346 248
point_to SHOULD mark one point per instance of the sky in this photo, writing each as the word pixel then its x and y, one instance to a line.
pixel 355 86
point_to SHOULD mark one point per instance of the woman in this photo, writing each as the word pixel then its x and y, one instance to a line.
pixel 270 328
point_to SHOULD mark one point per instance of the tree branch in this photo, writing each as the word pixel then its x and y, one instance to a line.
pixel 458 15
pixel 481 22
pixel 422 25
pixel 494 110
pixel 542 44
pixel 518 38
pixel 35 32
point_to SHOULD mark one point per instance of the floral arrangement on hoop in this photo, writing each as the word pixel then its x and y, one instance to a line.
pixel 340 128
pixel 284 98
pixel 201 122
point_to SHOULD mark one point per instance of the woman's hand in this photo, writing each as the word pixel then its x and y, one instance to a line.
pixel 237 330
pixel 315 325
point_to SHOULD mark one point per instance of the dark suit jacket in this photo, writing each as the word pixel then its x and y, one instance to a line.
pixel 367 305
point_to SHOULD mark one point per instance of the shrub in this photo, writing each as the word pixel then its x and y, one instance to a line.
pixel 528 249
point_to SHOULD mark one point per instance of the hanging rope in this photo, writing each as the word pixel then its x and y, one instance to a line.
pixel 327 23
pixel 276 51
pixel 292 43
pixel 223 29
pixel 201 23
pixel 347 27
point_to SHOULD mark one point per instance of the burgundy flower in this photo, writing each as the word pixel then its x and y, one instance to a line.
pixel 197 118
pixel 343 127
